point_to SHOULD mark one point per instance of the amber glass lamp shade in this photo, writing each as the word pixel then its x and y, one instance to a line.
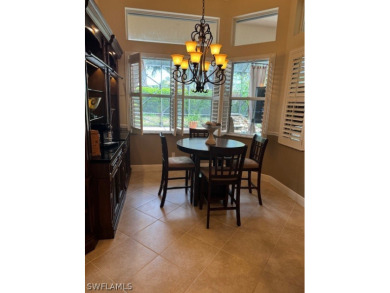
pixel 215 48
pixel 206 66
pixel 220 58
pixel 184 64
pixel 177 59
pixel 191 46
pixel 225 64
pixel 195 57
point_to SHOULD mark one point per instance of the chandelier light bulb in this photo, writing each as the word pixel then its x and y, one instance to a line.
pixel 215 48
pixel 225 64
pixel 177 59
pixel 195 57
pixel 206 66
pixel 220 59
pixel 191 46
pixel 184 64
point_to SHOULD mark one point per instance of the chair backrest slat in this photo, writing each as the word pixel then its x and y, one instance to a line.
pixel 226 164
pixel 198 132
pixel 258 148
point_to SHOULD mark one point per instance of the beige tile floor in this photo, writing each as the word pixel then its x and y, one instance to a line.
pixel 170 249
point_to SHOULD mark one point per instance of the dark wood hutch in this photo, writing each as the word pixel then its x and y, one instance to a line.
pixel 107 175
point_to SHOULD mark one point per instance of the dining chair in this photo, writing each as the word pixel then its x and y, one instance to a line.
pixel 254 164
pixel 224 170
pixel 174 164
pixel 194 132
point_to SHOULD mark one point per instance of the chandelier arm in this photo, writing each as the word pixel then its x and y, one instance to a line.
pixel 219 82
pixel 192 68
pixel 212 73
pixel 176 74
pixel 222 80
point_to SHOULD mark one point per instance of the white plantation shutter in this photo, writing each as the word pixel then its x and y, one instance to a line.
pixel 176 107
pixel 268 94
pixel 292 124
pixel 215 103
pixel 135 93
pixel 180 110
pixel 172 108
pixel 224 101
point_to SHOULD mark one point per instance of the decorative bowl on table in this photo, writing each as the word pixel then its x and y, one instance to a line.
pixel 211 128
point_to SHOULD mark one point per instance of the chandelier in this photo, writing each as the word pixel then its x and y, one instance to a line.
pixel 198 63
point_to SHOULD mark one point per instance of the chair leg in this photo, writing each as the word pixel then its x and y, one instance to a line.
pixel 238 206
pixel 258 188
pixel 208 206
pixel 201 194
pixel 162 182
pixel 226 198
pixel 232 194
pixel 250 181
pixel 192 186
pixel 165 189
pixel 187 180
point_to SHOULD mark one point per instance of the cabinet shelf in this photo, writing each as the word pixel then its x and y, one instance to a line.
pixel 97 62
pixel 95 91
pixel 96 118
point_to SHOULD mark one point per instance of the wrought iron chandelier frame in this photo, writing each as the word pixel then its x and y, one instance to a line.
pixel 203 37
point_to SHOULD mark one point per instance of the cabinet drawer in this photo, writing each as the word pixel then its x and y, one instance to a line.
pixel 115 163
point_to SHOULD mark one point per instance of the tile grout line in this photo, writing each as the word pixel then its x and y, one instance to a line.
pixel 280 234
pixel 107 250
pixel 273 249
pixel 112 281
pixel 201 272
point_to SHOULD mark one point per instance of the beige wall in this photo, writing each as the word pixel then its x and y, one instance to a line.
pixel 283 163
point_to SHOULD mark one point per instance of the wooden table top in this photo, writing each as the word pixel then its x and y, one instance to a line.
pixel 197 145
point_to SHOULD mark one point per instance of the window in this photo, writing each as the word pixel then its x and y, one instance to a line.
pixel 164 27
pixel 197 106
pixel 156 94
pixel 250 96
pixel 158 103
pixel 254 28
pixel 292 124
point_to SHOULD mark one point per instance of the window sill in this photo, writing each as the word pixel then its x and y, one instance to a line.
pixel 186 132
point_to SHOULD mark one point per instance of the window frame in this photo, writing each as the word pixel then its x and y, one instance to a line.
pixel 253 15
pixel 267 98
pixel 170 15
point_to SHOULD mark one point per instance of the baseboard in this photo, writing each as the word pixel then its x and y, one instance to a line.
pixel 289 192
pixel 267 178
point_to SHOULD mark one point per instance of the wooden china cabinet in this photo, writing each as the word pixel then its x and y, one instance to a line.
pixel 107 160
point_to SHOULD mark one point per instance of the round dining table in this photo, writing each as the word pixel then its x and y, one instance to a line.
pixel 200 150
